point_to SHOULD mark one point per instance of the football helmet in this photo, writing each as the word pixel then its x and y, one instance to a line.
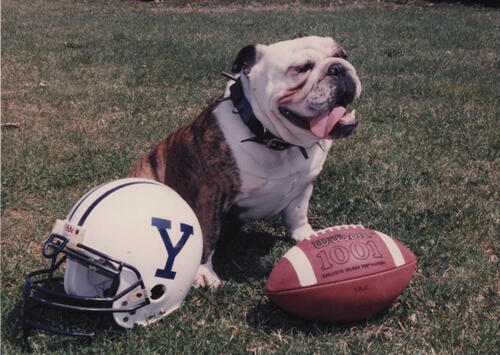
pixel 130 247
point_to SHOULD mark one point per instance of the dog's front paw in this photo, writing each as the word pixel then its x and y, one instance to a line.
pixel 206 277
pixel 303 232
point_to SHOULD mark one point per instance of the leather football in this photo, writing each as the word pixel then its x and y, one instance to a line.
pixel 341 274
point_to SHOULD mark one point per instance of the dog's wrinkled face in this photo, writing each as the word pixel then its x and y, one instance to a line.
pixel 300 89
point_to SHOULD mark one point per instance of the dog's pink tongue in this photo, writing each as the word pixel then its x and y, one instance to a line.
pixel 322 125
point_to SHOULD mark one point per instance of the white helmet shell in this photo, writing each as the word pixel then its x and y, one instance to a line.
pixel 142 223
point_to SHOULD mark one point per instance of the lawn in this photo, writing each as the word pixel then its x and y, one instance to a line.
pixel 97 83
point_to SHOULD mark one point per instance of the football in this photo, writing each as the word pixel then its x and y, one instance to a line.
pixel 341 274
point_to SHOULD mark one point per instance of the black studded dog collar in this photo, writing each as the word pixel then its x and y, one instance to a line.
pixel 261 134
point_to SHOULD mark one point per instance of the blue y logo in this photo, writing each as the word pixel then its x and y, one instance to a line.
pixel 162 225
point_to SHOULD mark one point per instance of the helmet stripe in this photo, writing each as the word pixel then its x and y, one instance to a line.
pixel 106 194
pixel 83 199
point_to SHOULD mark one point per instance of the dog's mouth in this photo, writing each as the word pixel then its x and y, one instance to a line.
pixel 337 123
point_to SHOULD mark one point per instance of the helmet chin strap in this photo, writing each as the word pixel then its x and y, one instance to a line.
pixel 261 134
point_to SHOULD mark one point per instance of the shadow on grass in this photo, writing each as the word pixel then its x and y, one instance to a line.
pixel 238 252
pixel 268 318
pixel 485 3
pixel 14 330
pixel 51 341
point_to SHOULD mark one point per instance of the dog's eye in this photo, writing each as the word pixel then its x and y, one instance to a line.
pixel 340 54
pixel 305 68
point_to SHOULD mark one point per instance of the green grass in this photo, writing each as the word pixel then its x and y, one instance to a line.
pixel 100 82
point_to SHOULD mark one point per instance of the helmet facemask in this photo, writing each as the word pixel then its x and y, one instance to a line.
pixel 44 289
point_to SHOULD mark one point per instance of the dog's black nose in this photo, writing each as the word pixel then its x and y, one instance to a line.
pixel 336 70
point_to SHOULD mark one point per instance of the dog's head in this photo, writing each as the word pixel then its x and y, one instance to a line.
pixel 300 89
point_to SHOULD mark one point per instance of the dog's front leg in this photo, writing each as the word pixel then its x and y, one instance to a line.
pixel 210 217
pixel 295 216
pixel 206 276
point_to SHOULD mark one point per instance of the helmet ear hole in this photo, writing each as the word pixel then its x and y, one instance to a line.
pixel 157 292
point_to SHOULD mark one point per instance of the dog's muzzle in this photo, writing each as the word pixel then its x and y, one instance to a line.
pixel 332 119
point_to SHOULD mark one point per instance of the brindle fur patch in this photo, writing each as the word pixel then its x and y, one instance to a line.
pixel 198 164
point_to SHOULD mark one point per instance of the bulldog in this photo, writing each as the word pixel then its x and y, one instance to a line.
pixel 256 151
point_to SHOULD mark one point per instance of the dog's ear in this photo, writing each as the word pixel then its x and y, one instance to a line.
pixel 300 35
pixel 245 59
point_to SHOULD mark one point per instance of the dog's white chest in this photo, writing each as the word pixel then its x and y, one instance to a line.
pixel 270 179
pixel 263 196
